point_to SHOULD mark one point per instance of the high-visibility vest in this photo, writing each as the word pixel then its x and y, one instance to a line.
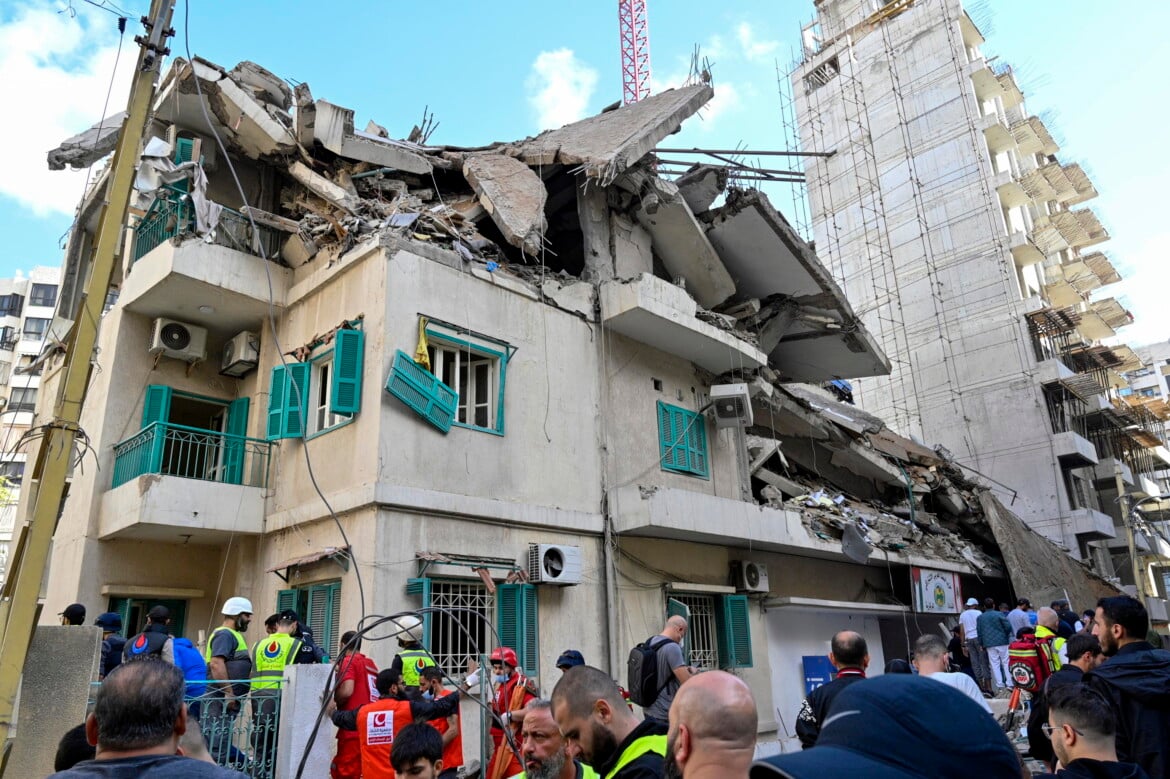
pixel 583 772
pixel 637 748
pixel 453 752
pixel 269 658
pixel 241 652
pixel 413 661
pixel 378 724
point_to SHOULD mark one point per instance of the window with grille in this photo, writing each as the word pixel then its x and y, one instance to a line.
pixel 455 636
pixel 43 295
pixel 718 633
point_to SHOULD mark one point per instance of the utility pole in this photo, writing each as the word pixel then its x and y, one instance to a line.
pixel 1127 522
pixel 18 604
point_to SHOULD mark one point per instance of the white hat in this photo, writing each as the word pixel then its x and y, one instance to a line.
pixel 972 601
pixel 235 606
pixel 408 627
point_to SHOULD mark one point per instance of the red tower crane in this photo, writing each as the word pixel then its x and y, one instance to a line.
pixel 635 43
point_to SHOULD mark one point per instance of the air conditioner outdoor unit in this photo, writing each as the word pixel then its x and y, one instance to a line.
pixel 732 405
pixel 749 576
pixel 554 564
pixel 240 355
pixel 179 340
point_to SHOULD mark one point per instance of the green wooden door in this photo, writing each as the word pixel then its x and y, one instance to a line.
pixel 234 443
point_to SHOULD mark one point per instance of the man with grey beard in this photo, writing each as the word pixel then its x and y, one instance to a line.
pixel 712 728
pixel 543 748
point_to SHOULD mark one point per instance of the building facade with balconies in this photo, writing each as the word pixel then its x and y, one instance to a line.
pixel 955 228
pixel 27 306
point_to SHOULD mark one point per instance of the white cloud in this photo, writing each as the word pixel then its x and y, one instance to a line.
pixel 55 68
pixel 559 88
pixel 752 49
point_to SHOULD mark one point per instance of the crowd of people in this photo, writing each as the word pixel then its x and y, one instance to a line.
pixel 1104 712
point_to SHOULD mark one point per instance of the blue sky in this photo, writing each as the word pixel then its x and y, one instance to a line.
pixel 499 71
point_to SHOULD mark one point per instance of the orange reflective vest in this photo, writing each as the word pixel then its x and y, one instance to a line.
pixel 378 724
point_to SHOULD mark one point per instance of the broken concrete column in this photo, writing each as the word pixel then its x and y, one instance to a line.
pixel 86 148
pixel 324 188
pixel 593 214
pixel 701 185
pixel 633 254
pixel 513 195
pixel 306 115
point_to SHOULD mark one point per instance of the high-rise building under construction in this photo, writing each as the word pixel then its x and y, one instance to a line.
pixel 957 230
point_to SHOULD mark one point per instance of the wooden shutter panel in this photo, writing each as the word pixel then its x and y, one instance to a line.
pixel 421 586
pixel 276 400
pixel 234 444
pixel 157 406
pixel 697 443
pixel 734 630
pixel 286 599
pixel 296 402
pixel 422 392
pixel 345 394
pixel 324 615
pixel 517 623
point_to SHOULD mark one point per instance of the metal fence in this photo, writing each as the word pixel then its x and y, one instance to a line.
pixel 178 450
pixel 170 215
pixel 245 740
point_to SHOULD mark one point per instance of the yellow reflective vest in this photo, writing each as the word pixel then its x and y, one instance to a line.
pixel 269 658
pixel 637 748
pixel 413 661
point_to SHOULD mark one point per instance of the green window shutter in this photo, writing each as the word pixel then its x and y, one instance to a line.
pixel 697 444
pixel 184 150
pixel 157 406
pixel 286 599
pixel 676 608
pixel 422 392
pixel 323 615
pixel 234 444
pixel 296 402
pixel 345 394
pixel 734 631
pixel 682 440
pixel 276 401
pixel 421 586
pixel 518 624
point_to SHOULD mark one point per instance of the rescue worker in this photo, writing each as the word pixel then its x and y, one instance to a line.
pixel 112 642
pixel 309 651
pixel 227 659
pixel 450 728
pixel 356 677
pixel 513 692
pixel 154 640
pixel 411 657
pixel 270 656
pixel 379 723
pixel 596 725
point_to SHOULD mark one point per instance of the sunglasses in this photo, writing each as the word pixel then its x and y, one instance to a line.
pixel 1047 730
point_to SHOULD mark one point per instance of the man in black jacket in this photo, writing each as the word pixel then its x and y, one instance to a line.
pixel 850 656
pixel 1084 654
pixel 1136 682
pixel 1082 730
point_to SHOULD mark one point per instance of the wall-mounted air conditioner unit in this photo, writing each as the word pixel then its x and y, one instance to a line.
pixel 732 405
pixel 179 340
pixel 240 355
pixel 554 564
pixel 749 576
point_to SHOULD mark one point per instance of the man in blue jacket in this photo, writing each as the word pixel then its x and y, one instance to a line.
pixel 190 661
pixel 1136 682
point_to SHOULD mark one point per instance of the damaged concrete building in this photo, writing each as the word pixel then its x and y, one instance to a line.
pixel 534 379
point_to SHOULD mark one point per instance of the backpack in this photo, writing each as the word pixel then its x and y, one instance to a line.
pixel 1031 662
pixel 642 671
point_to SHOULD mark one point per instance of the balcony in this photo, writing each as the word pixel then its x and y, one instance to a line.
pixel 1073 450
pixel 180 276
pixel 655 312
pixel 996 132
pixel 1105 473
pixel 1024 250
pixel 1092 525
pixel 1032 137
pixel 173 482
pixel 1011 193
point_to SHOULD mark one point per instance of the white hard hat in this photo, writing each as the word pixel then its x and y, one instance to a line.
pixel 409 625
pixel 235 606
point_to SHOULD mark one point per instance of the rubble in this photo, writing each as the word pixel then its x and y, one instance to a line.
pixel 86 148
pixel 513 195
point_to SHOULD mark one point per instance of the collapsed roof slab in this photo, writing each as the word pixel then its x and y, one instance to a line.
pixel 608 144
pixel 766 258
pixel 86 148
pixel 333 129
pixel 513 196
pixel 682 245
pixel 258 129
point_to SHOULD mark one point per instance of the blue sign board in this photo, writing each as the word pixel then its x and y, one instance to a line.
pixel 817 671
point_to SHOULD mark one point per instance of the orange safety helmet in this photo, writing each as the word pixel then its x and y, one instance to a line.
pixel 505 655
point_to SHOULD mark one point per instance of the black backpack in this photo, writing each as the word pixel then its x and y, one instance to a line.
pixel 642 672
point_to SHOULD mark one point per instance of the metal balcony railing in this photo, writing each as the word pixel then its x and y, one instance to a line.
pixel 171 215
pixel 192 453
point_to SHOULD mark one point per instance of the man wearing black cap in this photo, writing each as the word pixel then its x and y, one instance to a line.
pixel 154 640
pixel 899 727
pixel 308 652
pixel 570 658
pixel 74 614
pixel 112 642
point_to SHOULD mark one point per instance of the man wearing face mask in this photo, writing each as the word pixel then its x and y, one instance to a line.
pixel 450 728
pixel 227 658
pixel 379 723
pixel 514 690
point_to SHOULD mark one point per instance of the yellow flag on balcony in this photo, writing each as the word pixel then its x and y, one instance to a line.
pixel 420 353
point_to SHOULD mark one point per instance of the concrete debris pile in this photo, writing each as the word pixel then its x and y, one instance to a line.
pixel 584 201
pixel 854 480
